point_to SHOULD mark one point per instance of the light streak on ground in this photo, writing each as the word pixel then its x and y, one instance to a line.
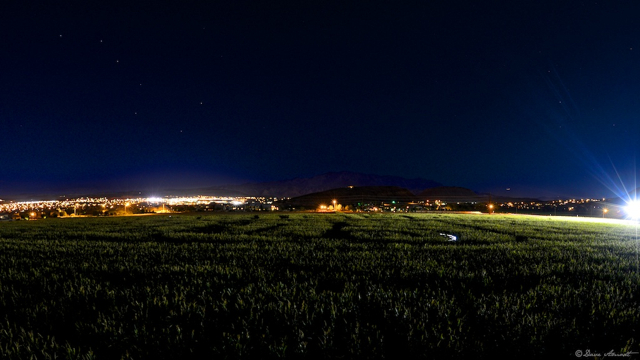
pixel 577 219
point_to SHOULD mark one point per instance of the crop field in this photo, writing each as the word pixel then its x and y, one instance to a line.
pixel 317 286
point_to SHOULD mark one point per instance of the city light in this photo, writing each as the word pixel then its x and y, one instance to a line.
pixel 101 206
pixel 87 206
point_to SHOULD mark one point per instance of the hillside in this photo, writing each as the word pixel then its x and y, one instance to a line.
pixel 302 186
pixel 450 193
pixel 353 196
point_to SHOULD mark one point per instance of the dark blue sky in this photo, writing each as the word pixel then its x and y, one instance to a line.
pixel 541 97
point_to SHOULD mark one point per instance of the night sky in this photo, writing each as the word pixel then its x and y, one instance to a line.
pixel 542 97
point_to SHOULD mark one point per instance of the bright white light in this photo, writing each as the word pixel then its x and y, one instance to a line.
pixel 450 236
pixel 633 209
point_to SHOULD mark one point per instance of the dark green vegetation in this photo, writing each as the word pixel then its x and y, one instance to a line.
pixel 316 286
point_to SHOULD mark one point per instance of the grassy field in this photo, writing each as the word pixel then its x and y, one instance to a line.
pixel 317 286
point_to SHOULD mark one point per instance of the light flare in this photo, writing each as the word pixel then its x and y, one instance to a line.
pixel 633 209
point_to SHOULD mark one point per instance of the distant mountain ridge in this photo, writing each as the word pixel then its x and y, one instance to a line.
pixel 353 196
pixel 333 180
pixel 356 195
pixel 283 188
pixel 451 193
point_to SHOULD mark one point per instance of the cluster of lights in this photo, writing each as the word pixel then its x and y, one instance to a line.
pixel 55 205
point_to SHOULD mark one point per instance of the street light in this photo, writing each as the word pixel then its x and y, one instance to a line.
pixel 125 208
pixel 334 205
pixel 604 211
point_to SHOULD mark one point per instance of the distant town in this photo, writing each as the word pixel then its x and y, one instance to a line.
pixel 102 207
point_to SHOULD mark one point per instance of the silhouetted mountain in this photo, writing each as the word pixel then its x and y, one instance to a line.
pixel 354 195
pixel 303 186
pixel 441 192
pixel 626 199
